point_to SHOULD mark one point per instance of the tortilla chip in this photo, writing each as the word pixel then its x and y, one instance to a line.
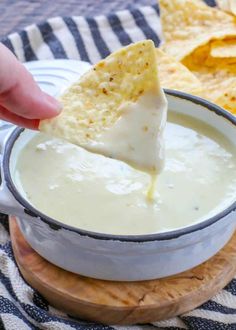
pixel 218 76
pixel 92 104
pixel 174 75
pixel 188 24
pixel 227 5
pixel 228 99
pixel 106 93
pixel 224 48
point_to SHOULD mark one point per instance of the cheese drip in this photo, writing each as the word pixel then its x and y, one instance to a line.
pixel 137 136
pixel 151 188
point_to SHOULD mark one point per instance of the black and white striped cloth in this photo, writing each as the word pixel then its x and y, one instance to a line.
pixel 89 39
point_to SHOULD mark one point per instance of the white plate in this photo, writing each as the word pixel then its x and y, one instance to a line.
pixel 54 76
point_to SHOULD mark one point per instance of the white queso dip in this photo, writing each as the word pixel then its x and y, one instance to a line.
pixel 100 194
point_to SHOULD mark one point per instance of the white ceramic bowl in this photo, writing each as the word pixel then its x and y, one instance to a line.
pixel 113 257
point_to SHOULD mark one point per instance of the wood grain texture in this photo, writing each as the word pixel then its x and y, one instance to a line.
pixel 123 302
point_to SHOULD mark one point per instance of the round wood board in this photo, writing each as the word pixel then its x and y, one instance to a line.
pixel 123 302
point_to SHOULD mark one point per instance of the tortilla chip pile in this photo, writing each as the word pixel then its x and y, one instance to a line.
pixel 227 5
pixel 202 42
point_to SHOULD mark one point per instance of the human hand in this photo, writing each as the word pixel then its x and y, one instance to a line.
pixel 21 100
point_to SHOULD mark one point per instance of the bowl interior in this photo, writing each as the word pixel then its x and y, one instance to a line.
pixel 179 103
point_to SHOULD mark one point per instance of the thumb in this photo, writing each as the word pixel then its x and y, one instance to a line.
pixel 19 93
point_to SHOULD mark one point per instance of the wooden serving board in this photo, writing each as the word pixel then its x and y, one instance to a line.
pixel 123 302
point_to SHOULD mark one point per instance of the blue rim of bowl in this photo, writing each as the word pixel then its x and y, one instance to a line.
pixel 56 225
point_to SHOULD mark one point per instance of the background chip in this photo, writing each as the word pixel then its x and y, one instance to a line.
pixel 174 75
pixel 188 24
pixel 223 48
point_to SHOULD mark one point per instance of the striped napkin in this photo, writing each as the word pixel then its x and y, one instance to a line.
pixel 89 39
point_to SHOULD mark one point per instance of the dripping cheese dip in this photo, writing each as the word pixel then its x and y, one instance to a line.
pixel 99 194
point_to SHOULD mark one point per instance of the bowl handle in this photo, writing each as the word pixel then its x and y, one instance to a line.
pixel 8 204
